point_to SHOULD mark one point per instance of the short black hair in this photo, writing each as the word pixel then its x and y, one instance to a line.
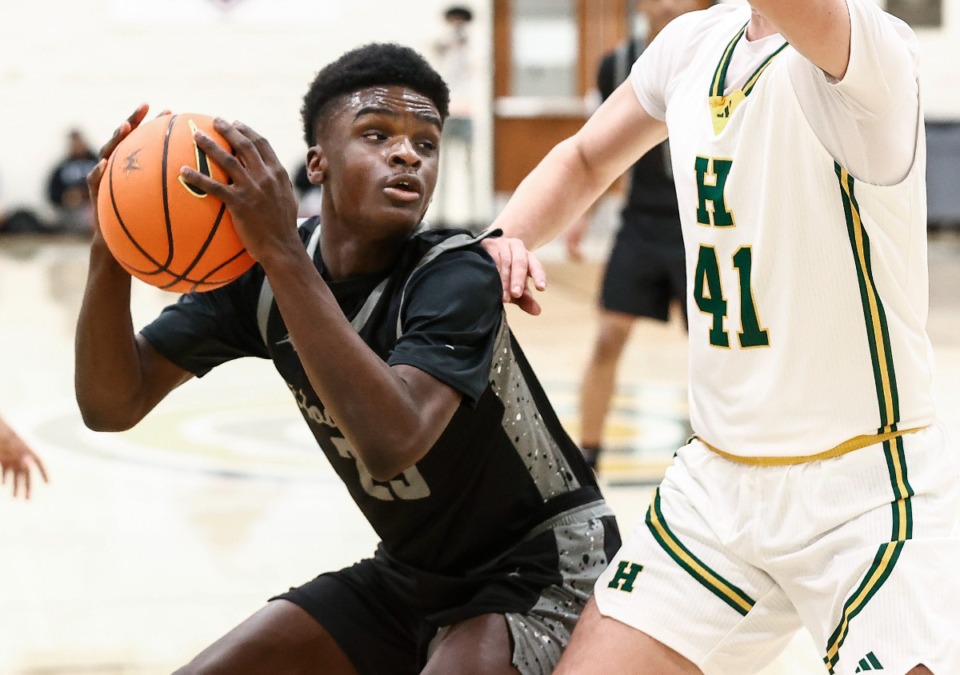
pixel 375 64
pixel 458 12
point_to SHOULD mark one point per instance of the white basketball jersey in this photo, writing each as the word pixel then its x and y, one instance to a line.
pixel 807 288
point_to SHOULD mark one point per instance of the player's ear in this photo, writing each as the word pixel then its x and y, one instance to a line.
pixel 316 165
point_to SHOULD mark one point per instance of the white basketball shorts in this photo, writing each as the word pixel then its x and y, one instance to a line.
pixel 862 549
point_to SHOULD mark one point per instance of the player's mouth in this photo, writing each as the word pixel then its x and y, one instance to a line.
pixel 405 187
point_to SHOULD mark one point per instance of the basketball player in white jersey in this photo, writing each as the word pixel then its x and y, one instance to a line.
pixel 820 489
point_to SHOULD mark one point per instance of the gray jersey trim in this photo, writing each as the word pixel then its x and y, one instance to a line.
pixel 454 242
pixel 265 301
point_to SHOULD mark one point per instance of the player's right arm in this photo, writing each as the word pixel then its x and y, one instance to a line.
pixel 818 29
pixel 118 376
pixel 569 179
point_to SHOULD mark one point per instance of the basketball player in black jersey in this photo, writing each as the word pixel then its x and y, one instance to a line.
pixel 393 342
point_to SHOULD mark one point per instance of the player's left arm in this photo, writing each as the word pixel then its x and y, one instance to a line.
pixel 390 415
pixel 818 29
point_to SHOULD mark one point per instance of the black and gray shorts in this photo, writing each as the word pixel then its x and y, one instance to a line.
pixel 643 275
pixel 387 616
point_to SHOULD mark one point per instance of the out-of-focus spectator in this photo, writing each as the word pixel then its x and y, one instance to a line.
pixel 20 220
pixel 455 64
pixel 308 194
pixel 67 186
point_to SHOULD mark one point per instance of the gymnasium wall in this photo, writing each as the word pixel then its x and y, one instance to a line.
pixel 65 63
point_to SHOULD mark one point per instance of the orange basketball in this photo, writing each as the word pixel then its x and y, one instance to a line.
pixel 161 230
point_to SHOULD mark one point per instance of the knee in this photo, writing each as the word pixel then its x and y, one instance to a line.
pixel 610 342
pixel 609 346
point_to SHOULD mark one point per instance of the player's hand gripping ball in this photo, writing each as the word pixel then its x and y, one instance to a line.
pixel 160 229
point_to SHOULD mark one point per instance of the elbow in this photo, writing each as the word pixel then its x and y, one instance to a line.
pixel 384 475
pixel 104 418
pixel 385 471
pixel 96 421
pixel 385 464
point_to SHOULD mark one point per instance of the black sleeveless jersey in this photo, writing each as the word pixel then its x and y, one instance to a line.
pixel 501 467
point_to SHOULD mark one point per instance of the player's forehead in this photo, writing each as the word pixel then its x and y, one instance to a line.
pixel 388 100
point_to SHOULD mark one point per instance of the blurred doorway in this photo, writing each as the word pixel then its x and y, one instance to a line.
pixel 545 59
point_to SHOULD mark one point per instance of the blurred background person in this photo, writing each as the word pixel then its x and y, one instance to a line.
pixel 645 272
pixel 20 220
pixel 456 180
pixel 308 194
pixel 67 186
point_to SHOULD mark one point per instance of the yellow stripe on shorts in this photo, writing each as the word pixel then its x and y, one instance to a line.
pixel 887 554
pixel 713 582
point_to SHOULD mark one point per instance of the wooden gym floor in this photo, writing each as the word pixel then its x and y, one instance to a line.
pixel 148 545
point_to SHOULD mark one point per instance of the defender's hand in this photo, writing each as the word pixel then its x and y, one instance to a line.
pixel 17 461
pixel 516 264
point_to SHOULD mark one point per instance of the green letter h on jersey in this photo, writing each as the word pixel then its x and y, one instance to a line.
pixel 626 575
pixel 711 180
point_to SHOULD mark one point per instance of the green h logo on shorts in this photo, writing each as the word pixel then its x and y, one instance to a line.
pixel 626 575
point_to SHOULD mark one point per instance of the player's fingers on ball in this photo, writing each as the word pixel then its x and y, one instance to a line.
pixel 198 180
pixel 222 157
pixel 246 131
pixel 137 116
pixel 118 135
pixel 240 142
pixel 263 146
pixel 95 176
pixel 122 131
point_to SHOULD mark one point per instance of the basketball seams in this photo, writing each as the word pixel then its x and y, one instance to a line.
pixel 165 191
pixel 203 280
pixel 123 226
pixel 203 250
pixel 182 276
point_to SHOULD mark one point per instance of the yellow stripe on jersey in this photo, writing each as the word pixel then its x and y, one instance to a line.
pixel 849 445
pixel 720 74
pixel 874 314
pixel 709 579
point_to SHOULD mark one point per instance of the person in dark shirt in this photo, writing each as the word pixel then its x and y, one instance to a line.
pixel 67 189
pixel 646 269
pixel 393 341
